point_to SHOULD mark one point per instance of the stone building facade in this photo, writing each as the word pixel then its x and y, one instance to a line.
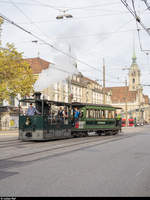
pixel 76 88
pixel 130 98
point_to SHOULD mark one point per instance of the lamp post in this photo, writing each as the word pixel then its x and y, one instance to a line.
pixel 126 102
pixel 104 100
pixel 126 94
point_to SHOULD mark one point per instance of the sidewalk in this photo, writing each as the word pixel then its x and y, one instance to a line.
pixel 9 132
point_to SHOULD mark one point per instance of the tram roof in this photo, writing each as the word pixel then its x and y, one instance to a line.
pixel 73 104
pixel 57 103
pixel 78 104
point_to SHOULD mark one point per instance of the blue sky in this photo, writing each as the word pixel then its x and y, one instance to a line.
pixel 98 29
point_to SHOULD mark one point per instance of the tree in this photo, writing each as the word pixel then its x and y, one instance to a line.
pixel 16 76
pixel 1 22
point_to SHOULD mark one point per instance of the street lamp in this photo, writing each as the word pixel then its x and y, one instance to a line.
pixel 64 15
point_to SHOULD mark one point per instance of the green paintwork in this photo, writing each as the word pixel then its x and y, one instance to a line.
pixel 40 123
pixel 94 107
pixel 56 128
pixel 36 122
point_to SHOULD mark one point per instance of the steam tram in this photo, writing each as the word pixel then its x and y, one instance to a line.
pixel 47 125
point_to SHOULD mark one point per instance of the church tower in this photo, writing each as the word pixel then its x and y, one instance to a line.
pixel 134 75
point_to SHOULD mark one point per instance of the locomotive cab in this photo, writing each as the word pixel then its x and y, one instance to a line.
pixel 44 124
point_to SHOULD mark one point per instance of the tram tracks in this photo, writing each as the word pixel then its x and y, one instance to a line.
pixel 12 143
pixel 60 149
pixel 51 148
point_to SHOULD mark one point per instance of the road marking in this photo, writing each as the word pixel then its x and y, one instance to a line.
pixel 139 172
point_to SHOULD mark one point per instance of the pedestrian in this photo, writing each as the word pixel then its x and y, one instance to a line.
pixel 32 110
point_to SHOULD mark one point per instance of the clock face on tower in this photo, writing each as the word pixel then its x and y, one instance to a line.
pixel 133 73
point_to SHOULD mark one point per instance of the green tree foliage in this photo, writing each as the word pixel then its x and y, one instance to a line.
pixel 1 21
pixel 15 74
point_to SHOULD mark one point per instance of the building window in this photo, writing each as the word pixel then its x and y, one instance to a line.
pixel 133 80
pixel 74 78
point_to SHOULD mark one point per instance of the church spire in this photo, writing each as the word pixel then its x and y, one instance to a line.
pixel 134 55
pixel 134 73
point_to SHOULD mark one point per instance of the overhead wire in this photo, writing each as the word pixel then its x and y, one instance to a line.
pixel 76 18
pixel 138 31
pixel 133 12
pixel 30 32
pixel 74 8
pixel 147 5
pixel 84 36
pixel 116 31
pixel 28 18
pixel 47 43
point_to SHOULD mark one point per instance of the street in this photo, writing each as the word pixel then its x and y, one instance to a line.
pixel 93 166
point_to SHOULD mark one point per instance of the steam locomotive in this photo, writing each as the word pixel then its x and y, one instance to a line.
pixel 48 125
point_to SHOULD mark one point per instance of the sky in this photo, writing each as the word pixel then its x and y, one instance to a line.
pixel 98 30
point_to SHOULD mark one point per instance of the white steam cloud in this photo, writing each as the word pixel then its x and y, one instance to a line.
pixel 64 68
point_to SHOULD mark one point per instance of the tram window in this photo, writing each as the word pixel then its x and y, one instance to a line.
pixel 103 114
pixel 109 114
pixel 100 113
pixel 91 114
pixel 106 113
pixel 87 113
pixel 96 114
pixel 113 114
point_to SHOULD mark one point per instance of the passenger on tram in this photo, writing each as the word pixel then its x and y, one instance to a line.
pixel 76 114
pixel 60 113
pixel 65 115
pixel 32 110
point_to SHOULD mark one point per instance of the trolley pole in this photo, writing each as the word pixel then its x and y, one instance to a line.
pixel 104 81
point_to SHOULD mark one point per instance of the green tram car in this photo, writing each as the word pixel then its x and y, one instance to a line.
pixel 47 125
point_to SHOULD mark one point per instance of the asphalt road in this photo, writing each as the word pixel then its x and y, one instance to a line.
pixel 108 166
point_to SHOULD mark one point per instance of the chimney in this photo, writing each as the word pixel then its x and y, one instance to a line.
pixel 37 95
